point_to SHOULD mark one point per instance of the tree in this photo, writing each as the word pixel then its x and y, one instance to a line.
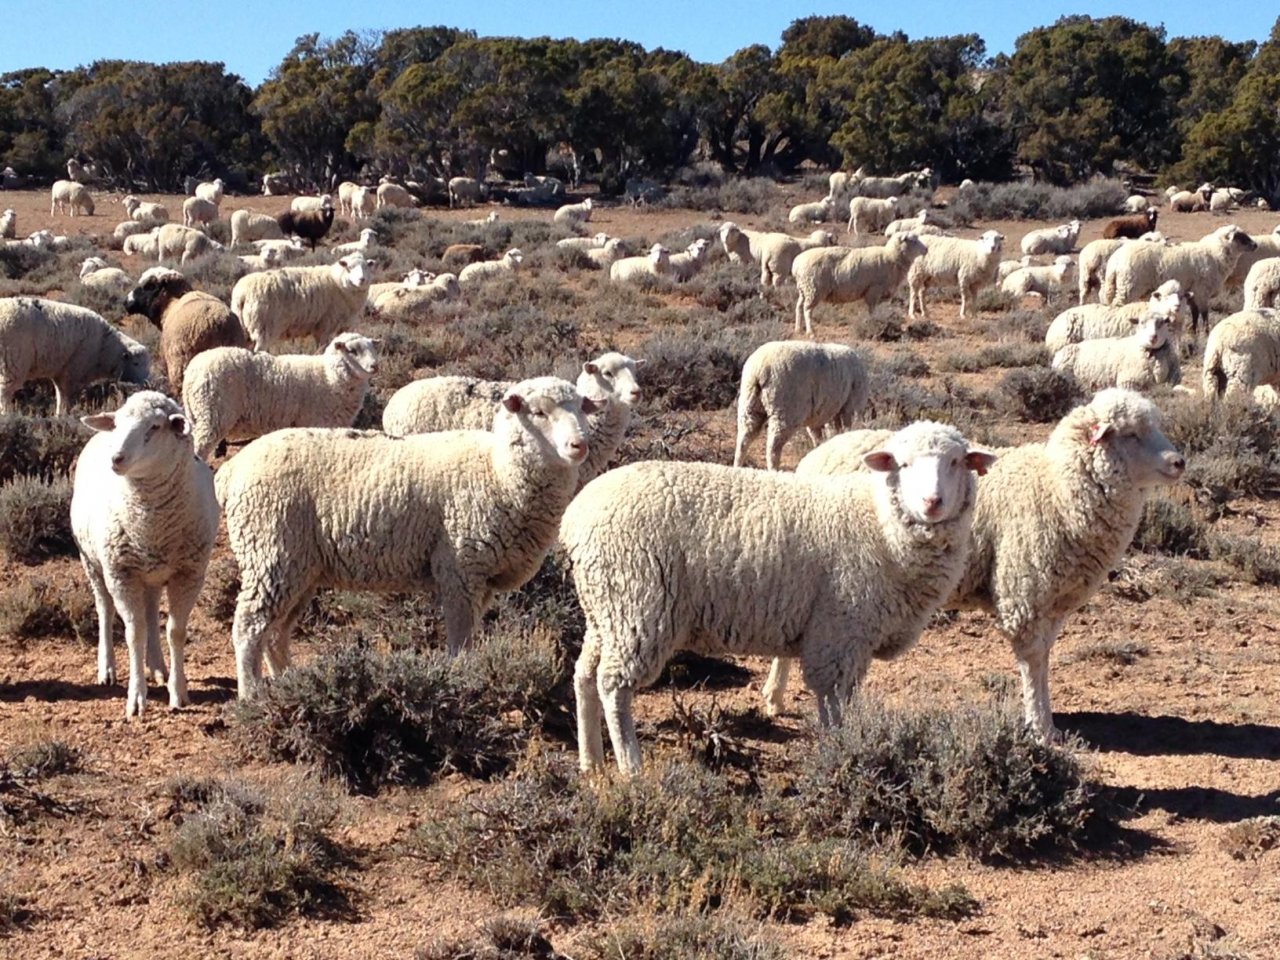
pixel 1211 68
pixel 31 138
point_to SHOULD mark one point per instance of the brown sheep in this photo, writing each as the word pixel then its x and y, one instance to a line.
pixel 460 254
pixel 1132 227
pixel 310 225
pixel 189 321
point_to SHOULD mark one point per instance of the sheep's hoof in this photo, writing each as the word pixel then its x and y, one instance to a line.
pixel 107 677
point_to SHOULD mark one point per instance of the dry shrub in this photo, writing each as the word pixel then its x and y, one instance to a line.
pixel 35 519
pixel 1037 394
pixel 36 608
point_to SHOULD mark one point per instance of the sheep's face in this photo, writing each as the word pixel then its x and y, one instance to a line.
pixel 353 272
pixel 1240 240
pixel 155 289
pixel 360 354
pixel 147 434
pixel 513 258
pixel 611 376
pixel 417 278
pixel 991 242
pixel 1127 442
pixel 1154 330
pixel 930 466
pixel 550 416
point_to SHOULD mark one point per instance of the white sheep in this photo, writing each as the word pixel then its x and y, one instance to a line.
pixel 235 394
pixel 742 246
pixel 1051 520
pixel 842 275
pixel 69 197
pixel 1007 267
pixel 1262 284
pixel 778 252
pixel 670 556
pixel 464 191
pixel 489 220
pixel 198 211
pixel 368 240
pixel 1187 201
pixel 130 228
pixel 686 264
pixel 364 202
pixel 573 215
pixel 1144 359
pixel 8 224
pixel 631 269
pixel 415 301
pixel 211 190
pixel 603 258
pixel 922 224
pixel 416 277
pixel 968 264
pixel 792 385
pixel 1043 281
pixel 247 226
pixel 144 516
pixel 815 212
pixel 1266 246
pixel 146 245
pixel 868 214
pixel 283 249
pixel 392 195
pixel 583 243
pixel 145 212
pixel 346 193
pixel 1242 353
pixel 269 259
pixel 1136 269
pixel 314 302
pixel 509 262
pixel 1095 321
pixel 903 183
pixel 469 514
pixel 303 204
pixel 97 273
pixel 1055 240
pixel 1092 265
pixel 178 241
pixel 1136 203
pixel 72 346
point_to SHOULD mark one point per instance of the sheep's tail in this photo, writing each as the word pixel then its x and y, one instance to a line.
pixel 1214 376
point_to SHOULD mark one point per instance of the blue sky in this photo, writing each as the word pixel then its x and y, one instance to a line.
pixel 251 38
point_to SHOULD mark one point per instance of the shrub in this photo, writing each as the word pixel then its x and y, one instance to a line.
pixel 994 355
pixel 1037 394
pixel 501 938
pixel 736 195
pixel 1232 449
pixel 34 608
pixel 884 324
pixel 1038 201
pixel 42 447
pixel 680 937
pixel 45 758
pixel 35 519
pixel 697 367
pixel 16 262
pixel 1170 528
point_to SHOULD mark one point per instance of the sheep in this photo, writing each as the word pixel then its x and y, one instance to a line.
pixel 145 212
pixel 1267 246
pixel 670 556
pixel 1136 203
pixel 1007 267
pixel 509 262
pixel 175 240
pixel 790 385
pixel 464 191
pixel 583 243
pixel 433 404
pixel 282 249
pixel 865 186
pixel 778 252
pixel 235 394
pixel 78 172
pixel 130 228
pixel 840 183
pixel 146 245
pixel 8 224
pixel 1055 240
pixel 269 259
pixel 305 204
pixel 276 183
pixel 1145 359
pixel 211 191
pixel 1186 201
pixel 96 273
pixel 144 515
pixel 247 226
pixel 1241 354
pixel 742 246
pixel 393 195
pixel 1262 285
pixel 460 254
pixel 632 269
pixel 198 211
pixel 922 225
pixel 1093 263
pixel 842 275
pixel 1039 280
pixel 44 240
pixel 603 258
pixel 815 212
pixel 70 197
pixel 368 240
pixel 1095 321
pixel 469 513
pixel 313 302
pixel 364 203
pixel 969 264
pixel 1220 201
pixel 189 321
pixel 346 193
pixel 414 278
pixel 413 302
pixel 1051 520
pixel 486 221
pixel 573 215
pixel 72 346
pixel 309 225
pixel 1201 267
pixel 686 264
pixel 870 214
pixel 1132 227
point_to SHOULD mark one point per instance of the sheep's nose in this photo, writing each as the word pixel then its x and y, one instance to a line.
pixel 635 395
pixel 117 460
pixel 932 505
pixel 1179 463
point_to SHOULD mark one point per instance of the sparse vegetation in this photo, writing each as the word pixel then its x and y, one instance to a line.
pixel 1037 394
pixel 35 519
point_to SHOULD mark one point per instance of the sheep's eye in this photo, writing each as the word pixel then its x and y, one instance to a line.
pixel 606 375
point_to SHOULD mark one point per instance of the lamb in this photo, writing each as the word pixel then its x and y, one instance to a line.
pixel 791 385
pixel 670 556
pixel 211 191
pixel 469 514
pixel 414 302
pixel 247 226
pixel 1267 246
pixel 8 224
pixel 1055 240
pixel 460 254
pixel 1095 321
pixel 778 252
pixel 414 278
pixel 257 262
pixel 368 240
pixel 146 245
pixel 306 204
pixel 1136 203
pixel 742 246
pixel 1007 267
pixel 364 202
pixel 1145 359
pixel 841 275
pixel 1051 520
pixel 583 243
pixel 573 215
pixel 314 302
pixel 72 346
pixel 1132 227
pixel 78 172
pixel 1221 200
pixel 1262 285
pixel 282 249
pixel 922 225
pixel 189 321
pixel 433 404
pixel 509 262
pixel 487 221
pixel 96 273
pixel 1093 263
pixel 631 269
pixel 464 191
pixel 198 211
pixel 144 515
pixel 603 258
pixel 815 212
pixel 235 394
pixel 393 195
pixel 1201 267
pixel 346 193
pixel 1043 281
pixel 1241 354
pixel 177 241
pixel 309 225
pixel 686 264
pixel 145 212
pixel 870 214
pixel 70 197
pixel 969 264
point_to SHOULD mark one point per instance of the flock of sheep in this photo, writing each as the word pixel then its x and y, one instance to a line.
pixel 470 482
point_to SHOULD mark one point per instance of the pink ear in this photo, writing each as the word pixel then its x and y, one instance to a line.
pixel 590 367
pixel 591 406
pixel 513 402
pixel 1099 431
pixel 880 460
pixel 102 422
pixel 979 461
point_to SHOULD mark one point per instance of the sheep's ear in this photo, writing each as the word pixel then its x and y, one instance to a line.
pixel 641 362
pixel 341 346
pixel 590 367
pixel 979 461
pixel 179 424
pixel 102 422
pixel 1099 433
pixel 513 402
pixel 590 406
pixel 881 461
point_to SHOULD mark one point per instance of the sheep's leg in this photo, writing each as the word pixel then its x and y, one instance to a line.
pixel 8 390
pixel 1033 665
pixel 155 656
pixel 256 618
pixel 182 596
pixel 775 439
pixel 775 687
pixel 617 702
pixel 748 429
pixel 589 705
pixel 131 601
pixel 106 608
pixel 278 642
pixel 463 605
pixel 60 393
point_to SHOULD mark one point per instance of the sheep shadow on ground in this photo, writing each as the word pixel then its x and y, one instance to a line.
pixel 1199 803
pixel 1148 736
pixel 691 671
pixel 50 691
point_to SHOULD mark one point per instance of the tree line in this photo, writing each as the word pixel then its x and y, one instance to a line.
pixel 1084 96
